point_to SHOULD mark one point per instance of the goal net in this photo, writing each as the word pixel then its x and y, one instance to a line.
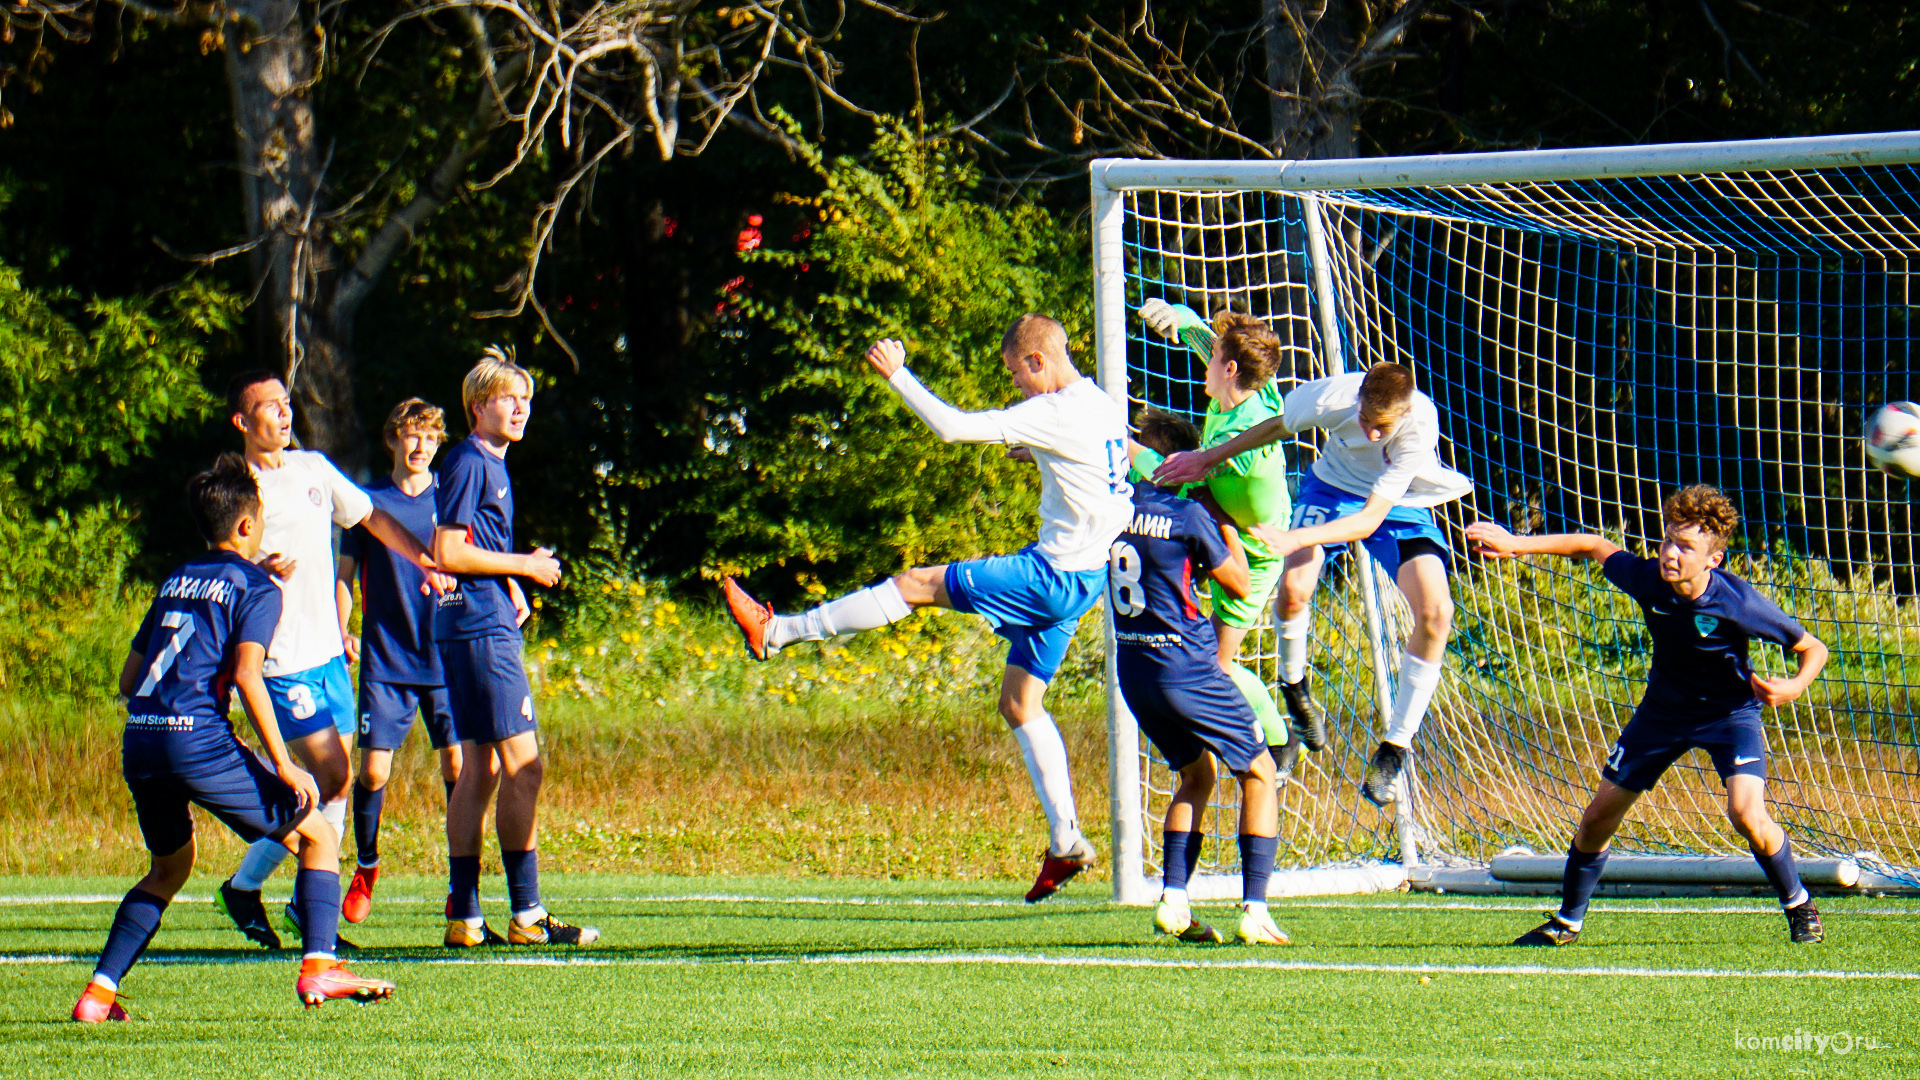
pixel 1597 329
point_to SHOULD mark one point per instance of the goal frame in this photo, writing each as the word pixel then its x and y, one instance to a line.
pixel 1111 178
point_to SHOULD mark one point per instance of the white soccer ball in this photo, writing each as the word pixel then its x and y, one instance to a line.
pixel 1893 439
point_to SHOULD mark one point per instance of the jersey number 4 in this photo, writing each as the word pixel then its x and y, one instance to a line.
pixel 1123 573
pixel 172 620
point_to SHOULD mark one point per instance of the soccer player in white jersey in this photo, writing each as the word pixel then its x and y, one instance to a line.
pixel 303 497
pixel 1078 437
pixel 1376 481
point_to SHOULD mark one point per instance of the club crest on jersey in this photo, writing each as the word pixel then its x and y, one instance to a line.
pixel 1706 624
pixel 313 495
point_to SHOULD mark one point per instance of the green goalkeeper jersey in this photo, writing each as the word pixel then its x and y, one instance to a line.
pixel 1251 487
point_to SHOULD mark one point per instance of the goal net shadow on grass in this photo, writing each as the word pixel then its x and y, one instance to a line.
pixel 1591 346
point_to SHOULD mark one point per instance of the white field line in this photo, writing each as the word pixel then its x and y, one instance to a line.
pixel 953 959
pixel 1758 907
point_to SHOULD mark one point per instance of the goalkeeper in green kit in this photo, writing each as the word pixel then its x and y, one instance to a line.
pixel 1242 355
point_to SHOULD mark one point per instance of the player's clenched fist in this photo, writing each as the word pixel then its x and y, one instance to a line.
pixel 887 356
pixel 543 567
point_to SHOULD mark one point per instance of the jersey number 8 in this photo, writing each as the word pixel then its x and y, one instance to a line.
pixel 1123 572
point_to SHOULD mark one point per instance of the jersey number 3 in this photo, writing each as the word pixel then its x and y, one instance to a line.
pixel 1123 573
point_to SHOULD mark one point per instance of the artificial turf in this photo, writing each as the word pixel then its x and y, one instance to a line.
pixel 823 978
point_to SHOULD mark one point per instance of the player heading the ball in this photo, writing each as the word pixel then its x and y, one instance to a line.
pixel 1701 692
pixel 205 635
pixel 1376 481
pixel 1077 435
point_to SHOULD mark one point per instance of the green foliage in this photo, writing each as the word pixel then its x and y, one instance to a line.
pixel 80 399
pixel 820 469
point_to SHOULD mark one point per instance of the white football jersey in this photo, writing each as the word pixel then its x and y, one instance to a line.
pixel 1078 436
pixel 303 500
pixel 1404 467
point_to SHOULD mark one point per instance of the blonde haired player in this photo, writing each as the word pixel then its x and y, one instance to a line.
pixel 1376 481
pixel 1034 598
pixel 477 629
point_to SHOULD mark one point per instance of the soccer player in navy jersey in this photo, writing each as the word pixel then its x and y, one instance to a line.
pixel 1190 708
pixel 1701 692
pixel 206 635
pixel 476 627
pixel 400 674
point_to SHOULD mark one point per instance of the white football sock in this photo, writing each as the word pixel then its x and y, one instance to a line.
pixel 262 859
pixel 106 982
pixel 336 814
pixel 1254 907
pixel 1412 691
pixel 475 921
pixel 534 914
pixel 1176 897
pixel 319 956
pixel 868 609
pixel 1046 755
pixel 1293 646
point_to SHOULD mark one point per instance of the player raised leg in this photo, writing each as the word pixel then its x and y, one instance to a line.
pixel 1077 437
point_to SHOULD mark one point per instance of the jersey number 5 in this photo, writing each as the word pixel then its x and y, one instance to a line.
pixel 1123 573
pixel 172 620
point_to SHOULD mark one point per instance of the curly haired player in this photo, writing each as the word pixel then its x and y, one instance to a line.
pixel 1701 692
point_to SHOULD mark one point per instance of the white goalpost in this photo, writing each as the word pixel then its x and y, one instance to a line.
pixel 1597 327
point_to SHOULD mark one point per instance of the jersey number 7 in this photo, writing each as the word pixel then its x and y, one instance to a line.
pixel 172 620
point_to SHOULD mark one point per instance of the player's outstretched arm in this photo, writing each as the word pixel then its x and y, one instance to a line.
pixel 1180 324
pixel 455 554
pixel 248 659
pixel 1811 653
pixel 130 673
pixel 1496 542
pixel 889 359
pixel 1192 466
pixel 387 529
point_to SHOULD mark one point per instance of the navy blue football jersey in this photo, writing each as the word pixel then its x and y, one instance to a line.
pixel 476 494
pixel 1150 575
pixel 396 614
pixel 1700 646
pixel 203 612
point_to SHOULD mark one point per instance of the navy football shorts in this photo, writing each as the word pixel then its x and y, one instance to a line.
pixel 1190 717
pixel 1407 530
pixel 387 711
pixel 487 689
pixel 229 781
pixel 1655 738
pixel 1031 604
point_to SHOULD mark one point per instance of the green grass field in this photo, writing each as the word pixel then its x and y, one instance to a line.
pixel 830 978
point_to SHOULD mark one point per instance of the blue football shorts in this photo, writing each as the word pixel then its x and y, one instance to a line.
pixel 314 700
pixel 1657 736
pixel 1185 718
pixel 210 768
pixel 387 711
pixel 1028 602
pixel 487 689
pixel 1406 531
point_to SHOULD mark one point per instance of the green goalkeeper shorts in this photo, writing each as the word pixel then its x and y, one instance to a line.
pixel 1263 573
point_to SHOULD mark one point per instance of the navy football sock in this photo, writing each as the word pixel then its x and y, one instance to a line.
pixel 133 926
pixel 523 879
pixel 317 893
pixel 1782 872
pixel 1179 852
pixel 1576 888
pixel 366 823
pixel 463 886
pixel 1256 866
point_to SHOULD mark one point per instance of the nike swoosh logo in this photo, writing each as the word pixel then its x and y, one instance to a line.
pixel 501 494
pixel 1745 760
